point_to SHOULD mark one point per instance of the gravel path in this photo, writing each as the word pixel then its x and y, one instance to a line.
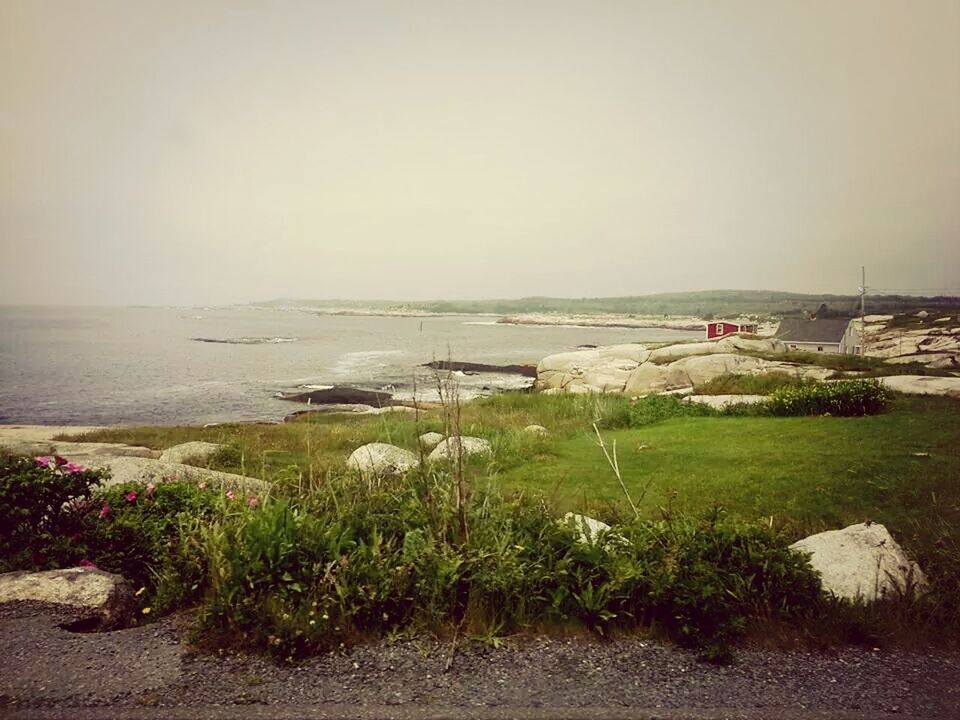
pixel 148 672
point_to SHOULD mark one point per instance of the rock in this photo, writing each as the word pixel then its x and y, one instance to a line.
pixel 732 343
pixel 607 379
pixel 675 352
pixel 604 369
pixel 95 592
pixel 923 385
pixel 944 362
pixel 922 314
pixel 471 446
pixel 722 401
pixel 646 379
pixel 191 452
pixel 538 430
pixel 630 352
pixel 429 440
pixel 377 460
pixel 861 562
pixel 124 470
pixel 26 447
pixel 878 318
pixel 699 370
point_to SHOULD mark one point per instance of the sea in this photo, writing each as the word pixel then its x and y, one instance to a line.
pixel 169 366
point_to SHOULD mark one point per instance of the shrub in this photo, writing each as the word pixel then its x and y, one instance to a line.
pixel 42 504
pixel 842 398
pixel 653 409
pixel 296 577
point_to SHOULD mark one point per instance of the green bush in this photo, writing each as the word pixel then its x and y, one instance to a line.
pixel 54 514
pixel 296 577
pixel 42 504
pixel 843 398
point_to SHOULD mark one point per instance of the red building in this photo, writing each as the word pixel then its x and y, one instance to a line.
pixel 722 328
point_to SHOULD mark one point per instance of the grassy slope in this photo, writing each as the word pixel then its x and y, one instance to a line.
pixel 808 473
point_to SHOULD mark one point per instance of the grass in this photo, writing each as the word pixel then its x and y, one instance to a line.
pixel 795 475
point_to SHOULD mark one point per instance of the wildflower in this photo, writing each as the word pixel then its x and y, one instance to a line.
pixel 202 485
pixel 230 495
pixel 73 468
pixel 132 496
pixel 104 511
pixel 45 461
pixel 59 460
pixel 87 564
pixel 150 489
pixel 146 611
pixel 141 591
pixel 253 501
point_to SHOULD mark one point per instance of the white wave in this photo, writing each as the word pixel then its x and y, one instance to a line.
pixel 483 322
pixel 315 387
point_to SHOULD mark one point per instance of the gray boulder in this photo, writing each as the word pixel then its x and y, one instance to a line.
pixel 379 460
pixel 429 440
pixel 93 592
pixel 145 470
pixel 861 562
pixel 191 452
pixel 538 430
pixel 923 385
pixel 470 446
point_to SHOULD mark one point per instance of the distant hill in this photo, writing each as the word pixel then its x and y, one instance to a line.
pixel 717 303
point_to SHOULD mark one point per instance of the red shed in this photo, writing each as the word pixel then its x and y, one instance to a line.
pixel 720 328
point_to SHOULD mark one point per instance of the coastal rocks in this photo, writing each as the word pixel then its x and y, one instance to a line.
pixel 626 369
pixel 191 452
pixel 378 460
pixel 95 593
pixel 723 401
pixel 923 385
pixel 125 470
pixel 429 440
pixel 594 370
pixel 861 562
pixel 449 449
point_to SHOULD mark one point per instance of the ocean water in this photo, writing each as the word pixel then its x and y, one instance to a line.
pixel 189 365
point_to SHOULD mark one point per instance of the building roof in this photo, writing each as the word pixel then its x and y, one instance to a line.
pixel 825 330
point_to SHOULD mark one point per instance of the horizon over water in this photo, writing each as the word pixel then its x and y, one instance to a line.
pixel 161 365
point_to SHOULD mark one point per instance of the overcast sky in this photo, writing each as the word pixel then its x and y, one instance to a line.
pixel 201 152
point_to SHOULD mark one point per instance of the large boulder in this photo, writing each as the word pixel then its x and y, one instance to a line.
pixel 604 369
pixel 734 343
pixel 124 470
pixel 93 592
pixel 429 440
pixel 469 446
pixel 923 385
pixel 191 452
pixel 682 350
pixel 702 369
pixel 861 562
pixel 646 379
pixel 377 460
pixel 536 430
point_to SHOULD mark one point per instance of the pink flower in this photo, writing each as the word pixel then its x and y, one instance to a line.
pixel 132 496
pixel 59 460
pixel 87 563
pixel 230 495
pixel 73 468
pixel 252 501
pixel 45 461
pixel 150 489
pixel 104 511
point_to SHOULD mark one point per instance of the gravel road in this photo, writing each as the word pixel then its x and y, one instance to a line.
pixel 151 672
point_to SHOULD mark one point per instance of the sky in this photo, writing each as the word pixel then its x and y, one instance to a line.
pixel 183 152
